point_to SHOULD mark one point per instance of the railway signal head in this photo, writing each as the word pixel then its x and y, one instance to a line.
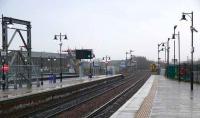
pixel 183 17
pixel 55 37
pixel 173 36
pixel 65 37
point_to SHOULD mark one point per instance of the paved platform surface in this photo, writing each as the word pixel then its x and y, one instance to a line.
pixel 131 107
pixel 163 98
pixel 175 100
pixel 47 86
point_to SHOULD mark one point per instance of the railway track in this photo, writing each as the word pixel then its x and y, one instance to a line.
pixel 79 100
pixel 29 105
pixel 76 98
pixel 114 104
pixel 100 97
pixel 73 98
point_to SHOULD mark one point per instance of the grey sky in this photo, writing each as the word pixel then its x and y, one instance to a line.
pixel 110 27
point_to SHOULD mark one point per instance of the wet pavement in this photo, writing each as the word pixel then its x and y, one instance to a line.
pixel 132 106
pixel 160 97
pixel 175 100
pixel 47 86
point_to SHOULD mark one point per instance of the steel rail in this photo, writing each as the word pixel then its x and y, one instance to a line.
pixel 55 113
pixel 83 92
pixel 81 99
pixel 99 112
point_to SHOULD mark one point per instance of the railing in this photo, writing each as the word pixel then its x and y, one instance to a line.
pixel 173 72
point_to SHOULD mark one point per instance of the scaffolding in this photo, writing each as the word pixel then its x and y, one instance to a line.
pixel 27 65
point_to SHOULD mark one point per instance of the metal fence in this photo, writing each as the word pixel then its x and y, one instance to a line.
pixel 173 72
pixel 18 74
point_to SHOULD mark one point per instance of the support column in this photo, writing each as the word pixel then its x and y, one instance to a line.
pixel 29 77
pixel 4 59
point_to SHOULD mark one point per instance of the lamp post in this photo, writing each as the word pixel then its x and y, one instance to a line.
pixel 168 54
pixel 106 58
pixel 51 59
pixel 126 59
pixel 158 56
pixel 168 51
pixel 90 75
pixel 41 69
pixel 192 47
pixel 174 52
pixel 165 44
pixel 132 62
pixel 66 55
pixel 60 38
pixel 130 52
pixel 179 57
pixel 91 55
pixel 131 58
pixel 165 54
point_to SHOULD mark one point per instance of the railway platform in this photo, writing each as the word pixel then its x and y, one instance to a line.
pixel 12 93
pixel 160 97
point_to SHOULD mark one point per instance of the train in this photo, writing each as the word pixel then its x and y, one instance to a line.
pixel 153 67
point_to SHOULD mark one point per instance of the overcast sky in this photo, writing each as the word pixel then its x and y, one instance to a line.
pixel 109 27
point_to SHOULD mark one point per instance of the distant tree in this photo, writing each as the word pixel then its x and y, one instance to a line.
pixel 142 62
